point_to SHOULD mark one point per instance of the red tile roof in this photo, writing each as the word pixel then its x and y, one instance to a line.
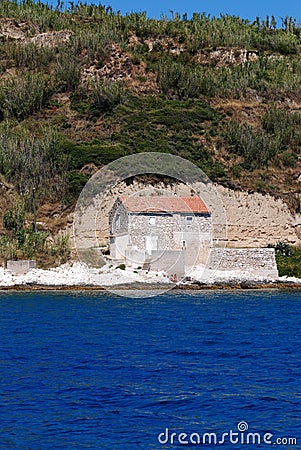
pixel 164 204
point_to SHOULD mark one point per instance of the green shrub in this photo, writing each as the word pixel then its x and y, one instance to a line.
pixel 285 125
pixel 30 55
pixel 21 96
pixel 14 218
pixel 92 43
pixel 105 96
pixel 75 184
pixel 288 259
pixel 43 16
pixel 255 146
pixel 67 72
pixel 96 152
pixel 287 159
pixel 59 247
pixel 80 101
pixel 24 242
pixel 35 243
pixel 8 248
pixel 276 41
pixel 33 157
pixel 178 80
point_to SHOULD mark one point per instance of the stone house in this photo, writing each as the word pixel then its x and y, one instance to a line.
pixel 160 232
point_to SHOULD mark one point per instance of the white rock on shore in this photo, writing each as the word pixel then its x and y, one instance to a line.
pixel 78 274
pixel 200 274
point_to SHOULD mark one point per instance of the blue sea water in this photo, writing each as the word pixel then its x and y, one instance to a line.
pixel 91 370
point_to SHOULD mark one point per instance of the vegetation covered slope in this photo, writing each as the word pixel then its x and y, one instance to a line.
pixel 84 86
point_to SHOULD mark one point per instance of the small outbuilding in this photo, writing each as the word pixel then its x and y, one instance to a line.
pixel 21 267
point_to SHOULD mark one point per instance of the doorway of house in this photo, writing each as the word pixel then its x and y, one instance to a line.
pixel 151 243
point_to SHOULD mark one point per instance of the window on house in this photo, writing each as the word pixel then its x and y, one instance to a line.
pixel 117 222
pixel 189 218
pixel 152 221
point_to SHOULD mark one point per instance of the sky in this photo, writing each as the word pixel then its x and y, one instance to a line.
pixel 246 9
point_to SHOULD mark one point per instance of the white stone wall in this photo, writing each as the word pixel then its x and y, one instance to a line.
pixel 169 229
pixel 259 261
pixel 197 223
pixel 140 228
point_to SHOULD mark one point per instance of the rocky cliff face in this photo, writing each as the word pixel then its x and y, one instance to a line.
pixel 254 220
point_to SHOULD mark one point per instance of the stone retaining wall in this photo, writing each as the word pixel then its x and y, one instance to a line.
pixel 259 261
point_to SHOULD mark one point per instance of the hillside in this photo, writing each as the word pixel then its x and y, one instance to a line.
pixel 82 87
